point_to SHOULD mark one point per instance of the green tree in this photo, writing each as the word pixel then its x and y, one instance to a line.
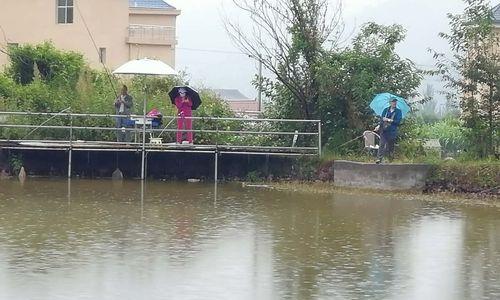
pixel 288 37
pixel 53 66
pixel 297 41
pixel 473 73
pixel 56 80
pixel 350 78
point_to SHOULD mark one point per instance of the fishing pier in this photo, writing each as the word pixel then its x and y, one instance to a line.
pixel 76 132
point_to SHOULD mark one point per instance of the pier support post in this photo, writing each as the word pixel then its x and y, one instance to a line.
pixel 70 158
pixel 142 165
pixel 319 138
pixel 143 176
pixel 70 154
pixel 215 169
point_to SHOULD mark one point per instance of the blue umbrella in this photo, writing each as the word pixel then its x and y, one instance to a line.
pixel 381 101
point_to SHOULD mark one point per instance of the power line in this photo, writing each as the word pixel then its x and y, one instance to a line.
pixel 242 53
pixel 4 35
pixel 97 49
pixel 211 50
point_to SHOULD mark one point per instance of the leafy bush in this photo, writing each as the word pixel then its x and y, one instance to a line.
pixel 42 78
pixel 52 65
pixel 451 135
pixel 456 176
pixel 16 162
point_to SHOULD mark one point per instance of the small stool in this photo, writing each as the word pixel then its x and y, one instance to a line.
pixel 156 141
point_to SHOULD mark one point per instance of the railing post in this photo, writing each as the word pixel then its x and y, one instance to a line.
pixel 319 138
pixel 216 134
pixel 143 175
pixel 70 154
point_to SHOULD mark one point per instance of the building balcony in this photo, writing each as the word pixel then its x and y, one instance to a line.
pixel 151 34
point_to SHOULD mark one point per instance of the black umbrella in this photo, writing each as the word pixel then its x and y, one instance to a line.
pixel 191 93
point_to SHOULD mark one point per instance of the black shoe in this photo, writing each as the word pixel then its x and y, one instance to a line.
pixel 378 161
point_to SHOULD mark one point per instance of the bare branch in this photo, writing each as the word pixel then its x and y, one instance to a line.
pixel 287 37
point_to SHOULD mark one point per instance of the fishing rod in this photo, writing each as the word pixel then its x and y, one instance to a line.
pixel 166 126
pixel 36 128
pixel 351 141
pixel 96 49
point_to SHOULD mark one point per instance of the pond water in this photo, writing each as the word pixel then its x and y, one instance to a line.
pixel 100 239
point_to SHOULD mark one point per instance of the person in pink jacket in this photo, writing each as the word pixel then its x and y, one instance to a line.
pixel 184 104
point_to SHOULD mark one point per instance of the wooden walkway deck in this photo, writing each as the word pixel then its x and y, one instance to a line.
pixel 48 145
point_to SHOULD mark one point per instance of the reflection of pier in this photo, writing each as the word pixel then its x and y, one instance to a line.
pixel 69 132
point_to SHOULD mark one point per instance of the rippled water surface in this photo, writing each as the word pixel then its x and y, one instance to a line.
pixel 124 240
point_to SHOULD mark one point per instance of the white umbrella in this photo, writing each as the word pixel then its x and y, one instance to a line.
pixel 144 66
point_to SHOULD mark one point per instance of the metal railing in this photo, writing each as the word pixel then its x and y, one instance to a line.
pixel 68 132
pixel 272 135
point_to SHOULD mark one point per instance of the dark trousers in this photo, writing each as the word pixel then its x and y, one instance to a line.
pixel 386 147
pixel 121 134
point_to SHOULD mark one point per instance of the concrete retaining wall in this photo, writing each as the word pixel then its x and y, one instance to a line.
pixel 380 176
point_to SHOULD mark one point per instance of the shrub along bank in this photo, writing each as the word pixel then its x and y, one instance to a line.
pixel 447 176
pixel 470 177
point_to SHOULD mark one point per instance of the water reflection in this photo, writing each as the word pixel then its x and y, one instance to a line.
pixel 435 245
pixel 155 240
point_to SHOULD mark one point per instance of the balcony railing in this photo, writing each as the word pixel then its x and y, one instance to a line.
pixel 151 34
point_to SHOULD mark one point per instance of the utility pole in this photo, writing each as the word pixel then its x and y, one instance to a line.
pixel 259 92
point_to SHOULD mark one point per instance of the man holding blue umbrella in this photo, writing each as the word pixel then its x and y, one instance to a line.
pixel 390 118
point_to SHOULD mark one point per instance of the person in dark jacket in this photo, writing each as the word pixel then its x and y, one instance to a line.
pixel 388 130
pixel 124 106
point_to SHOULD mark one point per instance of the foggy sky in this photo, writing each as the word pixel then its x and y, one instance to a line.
pixel 208 55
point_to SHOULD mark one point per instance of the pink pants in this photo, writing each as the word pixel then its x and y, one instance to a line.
pixel 187 124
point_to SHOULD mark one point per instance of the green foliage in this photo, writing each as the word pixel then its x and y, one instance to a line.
pixel 214 107
pixel 22 60
pixel 52 65
pixel 6 91
pixel 293 46
pixel 350 78
pixel 346 81
pixel 473 74
pixel 459 176
pixel 15 163
pixel 314 82
pixel 410 144
pixel 155 90
pixel 305 168
pixel 254 176
pixel 451 135
pixel 60 80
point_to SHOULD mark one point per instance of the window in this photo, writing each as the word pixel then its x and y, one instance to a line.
pixel 64 11
pixel 102 55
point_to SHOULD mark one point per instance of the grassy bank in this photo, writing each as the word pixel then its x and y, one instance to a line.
pixel 465 177
pixel 476 177
pixel 325 188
